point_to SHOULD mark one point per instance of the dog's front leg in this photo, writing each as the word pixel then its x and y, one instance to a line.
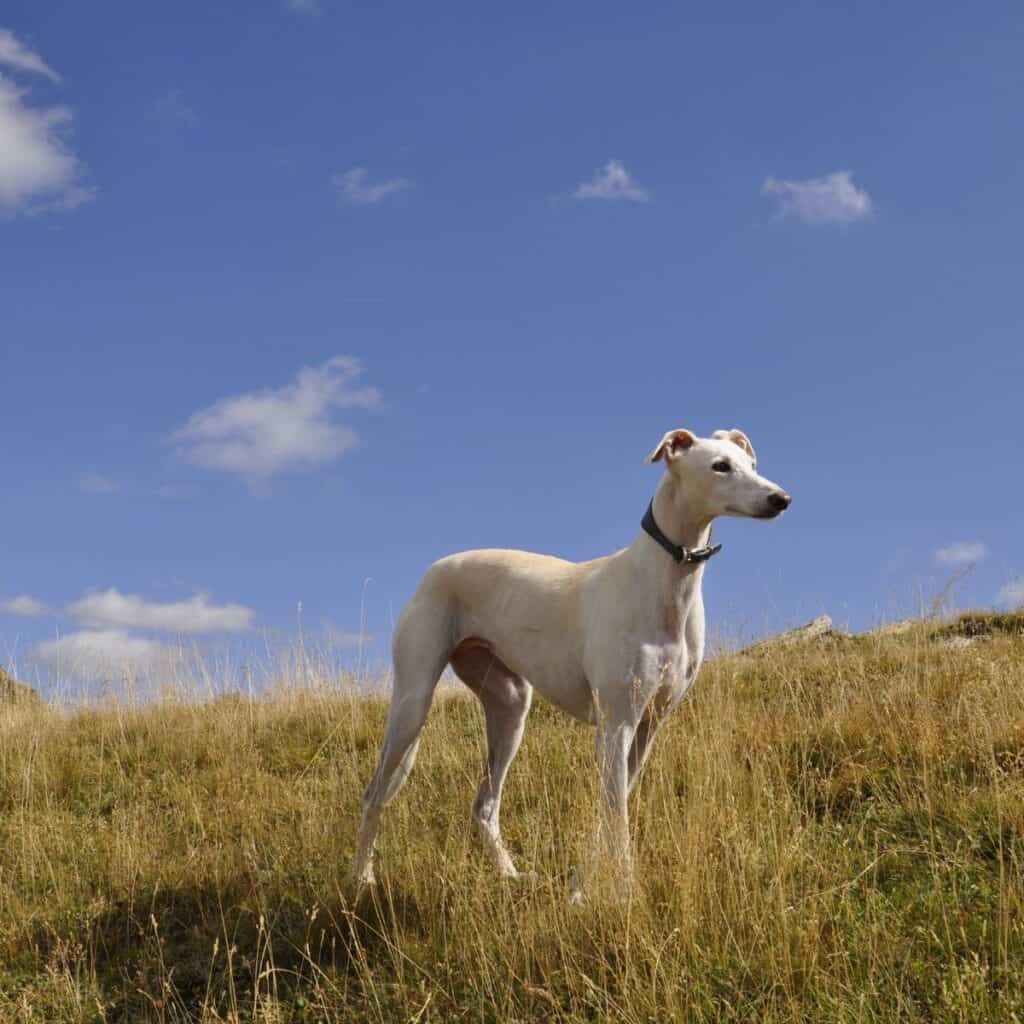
pixel 613 743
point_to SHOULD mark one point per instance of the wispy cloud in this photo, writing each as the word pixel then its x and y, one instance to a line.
pixel 174 492
pixel 355 189
pixel 1012 594
pixel 613 181
pixel 832 199
pixel 345 638
pixel 24 605
pixel 15 54
pixel 97 483
pixel 170 110
pixel 105 653
pixel 263 432
pixel 963 552
pixel 304 6
pixel 38 172
pixel 111 608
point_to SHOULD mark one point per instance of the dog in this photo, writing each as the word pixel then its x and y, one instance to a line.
pixel 615 642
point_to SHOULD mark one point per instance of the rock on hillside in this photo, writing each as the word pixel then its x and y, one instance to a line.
pixel 13 692
pixel 965 630
pixel 817 629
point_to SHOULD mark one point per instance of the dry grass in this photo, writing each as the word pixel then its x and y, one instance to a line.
pixel 823 834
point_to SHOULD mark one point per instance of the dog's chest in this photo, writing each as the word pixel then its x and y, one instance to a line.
pixel 675 603
pixel 670 667
pixel 673 614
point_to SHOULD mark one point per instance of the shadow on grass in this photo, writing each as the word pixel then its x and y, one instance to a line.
pixel 177 953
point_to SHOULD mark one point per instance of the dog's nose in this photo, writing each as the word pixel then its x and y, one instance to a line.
pixel 779 501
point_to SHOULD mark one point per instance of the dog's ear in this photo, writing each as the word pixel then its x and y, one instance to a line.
pixel 738 438
pixel 672 445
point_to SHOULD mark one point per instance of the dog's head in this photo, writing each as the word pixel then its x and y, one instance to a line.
pixel 720 472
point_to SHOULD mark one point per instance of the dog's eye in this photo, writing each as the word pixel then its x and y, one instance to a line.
pixel 721 466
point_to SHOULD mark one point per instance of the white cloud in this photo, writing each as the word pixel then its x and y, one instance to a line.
pixel 962 553
pixel 355 190
pixel 1012 594
pixel 14 54
pixel 833 199
pixel 112 609
pixel 345 638
pixel 96 483
pixel 23 605
pixel 171 110
pixel 38 171
pixel 260 433
pixel 612 181
pixel 101 654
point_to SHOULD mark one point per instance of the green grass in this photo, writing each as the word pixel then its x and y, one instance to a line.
pixel 824 833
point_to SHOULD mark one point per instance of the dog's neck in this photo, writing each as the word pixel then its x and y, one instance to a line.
pixel 675 585
pixel 678 516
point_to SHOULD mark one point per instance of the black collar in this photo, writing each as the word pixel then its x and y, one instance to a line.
pixel 683 555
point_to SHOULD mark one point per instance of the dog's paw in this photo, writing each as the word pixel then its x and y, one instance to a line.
pixel 577 897
pixel 366 881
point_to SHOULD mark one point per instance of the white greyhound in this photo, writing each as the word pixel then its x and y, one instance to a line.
pixel 615 642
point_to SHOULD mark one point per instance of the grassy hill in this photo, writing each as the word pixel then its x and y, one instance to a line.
pixel 13 692
pixel 830 831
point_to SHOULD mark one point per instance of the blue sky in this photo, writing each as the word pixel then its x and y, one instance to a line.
pixel 298 297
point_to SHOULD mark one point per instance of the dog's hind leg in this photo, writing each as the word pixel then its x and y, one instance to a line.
pixel 421 647
pixel 506 701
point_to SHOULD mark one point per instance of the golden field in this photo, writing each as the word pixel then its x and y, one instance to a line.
pixel 828 831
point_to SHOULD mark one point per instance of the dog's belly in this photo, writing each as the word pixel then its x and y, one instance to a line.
pixel 554 673
pixel 568 691
pixel 557 677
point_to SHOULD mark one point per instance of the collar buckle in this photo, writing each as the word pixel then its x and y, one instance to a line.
pixel 680 554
